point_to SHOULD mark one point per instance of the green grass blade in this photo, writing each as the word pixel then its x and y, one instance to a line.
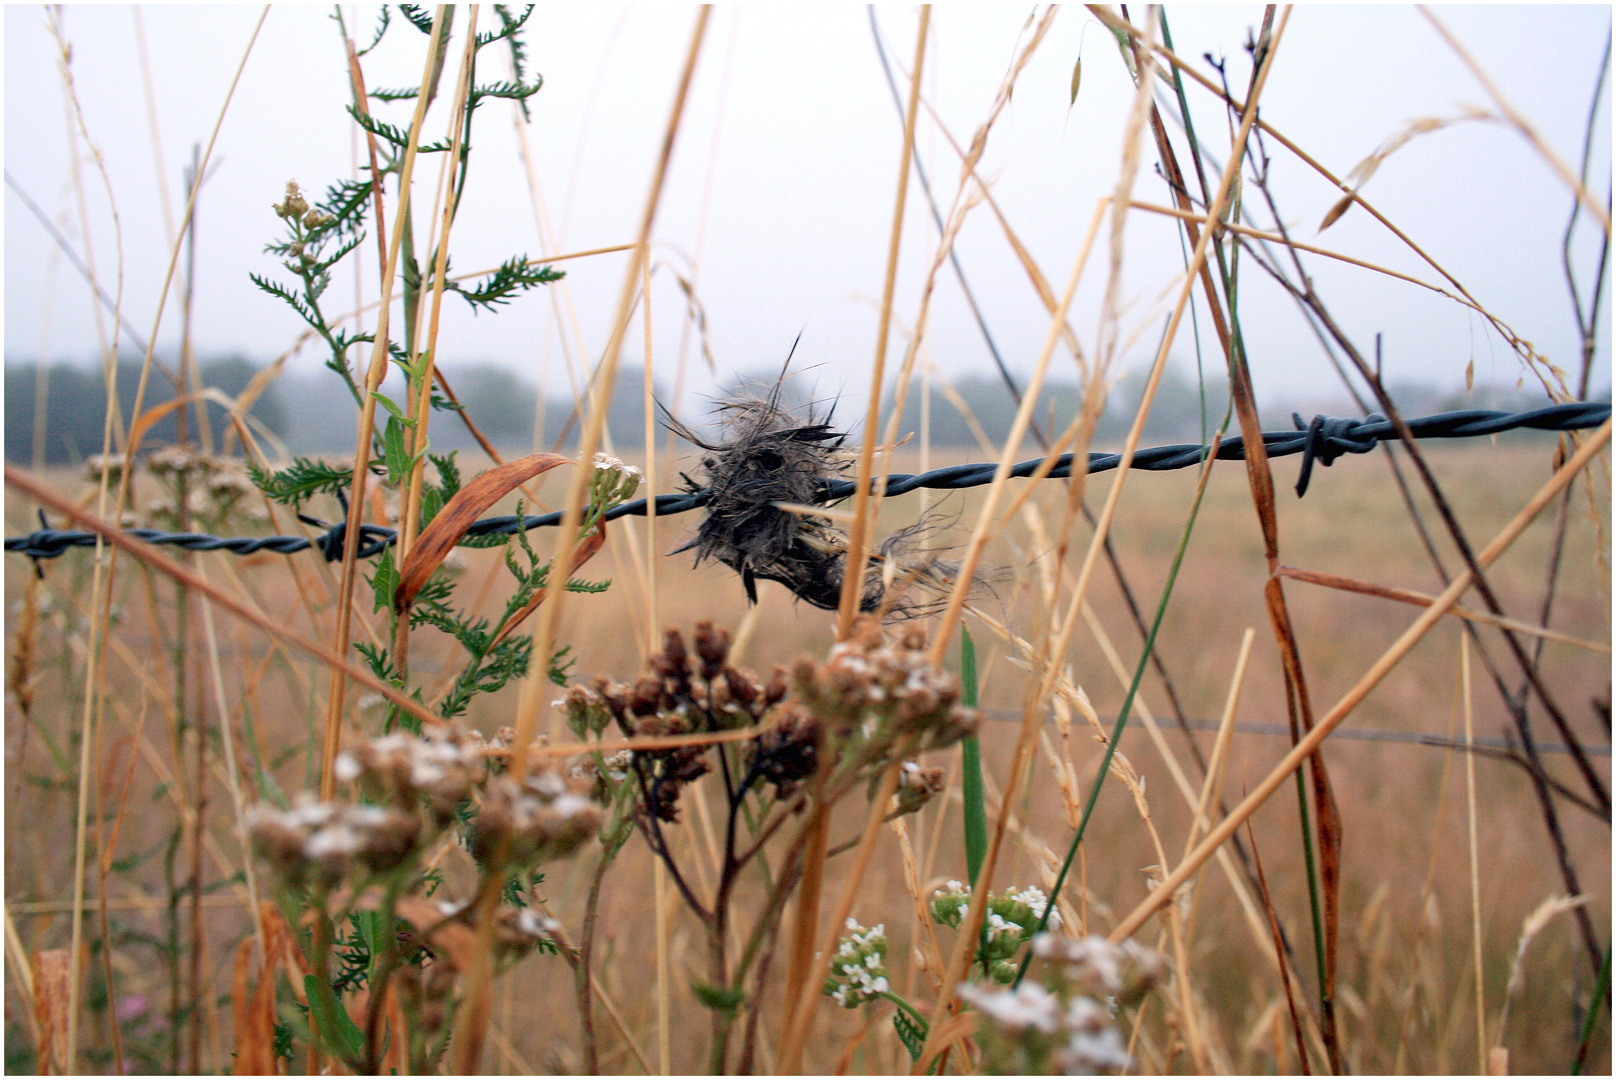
pixel 1596 1009
pixel 976 811
pixel 338 1032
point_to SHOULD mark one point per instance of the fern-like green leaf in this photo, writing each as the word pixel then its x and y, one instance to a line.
pixel 302 480
pixel 911 1031
pixel 419 17
pixel 381 28
pixel 516 275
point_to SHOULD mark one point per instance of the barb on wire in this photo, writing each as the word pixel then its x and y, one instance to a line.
pixel 1322 441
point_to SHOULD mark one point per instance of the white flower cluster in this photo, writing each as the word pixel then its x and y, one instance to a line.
pixel 613 481
pixel 402 769
pixel 1077 1038
pixel 319 841
pixel 858 971
pixel 1099 968
pixel 1010 922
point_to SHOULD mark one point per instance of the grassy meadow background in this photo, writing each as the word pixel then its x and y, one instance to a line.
pixel 1406 973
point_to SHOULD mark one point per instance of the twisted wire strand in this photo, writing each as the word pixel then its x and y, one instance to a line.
pixel 1322 441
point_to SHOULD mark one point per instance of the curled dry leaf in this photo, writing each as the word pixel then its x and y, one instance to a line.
pixel 458 515
pixel 254 1008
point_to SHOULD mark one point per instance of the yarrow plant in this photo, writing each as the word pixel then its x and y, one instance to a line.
pixel 1062 1019
pixel 1010 922
pixel 368 859
pixel 823 729
pixel 858 971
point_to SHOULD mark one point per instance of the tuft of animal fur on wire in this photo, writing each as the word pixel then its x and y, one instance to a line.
pixel 768 456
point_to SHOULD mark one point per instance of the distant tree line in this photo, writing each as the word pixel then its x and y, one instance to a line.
pixel 75 397
pixel 310 413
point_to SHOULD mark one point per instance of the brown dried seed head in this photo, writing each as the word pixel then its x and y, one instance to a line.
pixel 740 686
pixel 712 645
pixel 387 837
pixel 673 662
pixel 647 696
pixel 779 686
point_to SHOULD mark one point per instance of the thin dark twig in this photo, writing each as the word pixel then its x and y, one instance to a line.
pixel 1513 702
pixel 1305 293
pixel 652 830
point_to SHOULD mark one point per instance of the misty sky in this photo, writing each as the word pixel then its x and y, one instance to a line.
pixel 780 200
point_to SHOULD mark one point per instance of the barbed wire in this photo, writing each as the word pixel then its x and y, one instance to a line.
pixel 1322 441
pixel 1413 738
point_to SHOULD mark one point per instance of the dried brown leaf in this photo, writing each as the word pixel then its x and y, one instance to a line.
pixel 52 973
pixel 451 523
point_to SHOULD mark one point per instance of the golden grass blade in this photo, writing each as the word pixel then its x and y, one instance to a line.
pixel 1474 853
pixel 238 803
pixel 1377 671
pixel 1276 238
pixel 964 200
pixel 367 416
pixel 858 534
pixel 473 1020
pixel 1212 789
pixel 1419 599
pixel 974 914
pixel 21 972
pixel 664 1042
pixel 572 512
pixel 420 409
pixel 809 996
pixel 1539 364
pixel 1540 917
pixel 1600 212
pixel 981 534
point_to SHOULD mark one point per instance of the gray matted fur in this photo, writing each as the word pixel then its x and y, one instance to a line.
pixel 766 456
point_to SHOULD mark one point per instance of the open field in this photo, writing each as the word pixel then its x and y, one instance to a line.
pixel 1146 773
pixel 1405 966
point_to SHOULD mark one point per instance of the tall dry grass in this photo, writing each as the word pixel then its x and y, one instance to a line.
pixel 1418 893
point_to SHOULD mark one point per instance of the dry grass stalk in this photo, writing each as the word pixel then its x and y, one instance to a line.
pixel 1600 212
pixel 801 993
pixel 1376 672
pixel 1551 376
pixel 863 510
pixel 473 1019
pixel 1533 925
pixel 420 410
pixel 1197 260
pixel 1419 599
pixel 374 373
pixel 1474 853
